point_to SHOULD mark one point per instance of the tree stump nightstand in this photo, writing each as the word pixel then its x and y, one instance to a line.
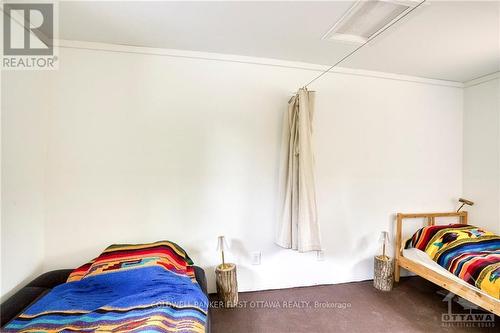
pixel 383 273
pixel 227 284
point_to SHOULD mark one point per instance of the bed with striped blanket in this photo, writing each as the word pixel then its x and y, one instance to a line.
pixel 128 288
pixel 466 251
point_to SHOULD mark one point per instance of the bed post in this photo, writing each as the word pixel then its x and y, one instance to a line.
pixel 399 222
pixel 463 218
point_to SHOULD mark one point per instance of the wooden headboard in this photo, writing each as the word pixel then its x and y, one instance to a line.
pixel 431 220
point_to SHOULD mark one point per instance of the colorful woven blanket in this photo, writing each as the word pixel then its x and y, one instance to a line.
pixel 467 251
pixel 128 288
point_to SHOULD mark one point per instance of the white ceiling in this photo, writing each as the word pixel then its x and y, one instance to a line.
pixel 447 40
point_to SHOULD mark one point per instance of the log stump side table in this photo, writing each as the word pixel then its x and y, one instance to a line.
pixel 383 273
pixel 227 284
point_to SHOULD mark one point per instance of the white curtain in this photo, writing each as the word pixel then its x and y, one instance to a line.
pixel 297 226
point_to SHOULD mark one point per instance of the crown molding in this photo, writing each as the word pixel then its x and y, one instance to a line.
pixel 482 79
pixel 71 44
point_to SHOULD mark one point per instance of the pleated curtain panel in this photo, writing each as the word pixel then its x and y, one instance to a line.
pixel 297 226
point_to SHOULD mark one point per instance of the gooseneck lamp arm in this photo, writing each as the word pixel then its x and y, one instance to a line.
pixel 464 202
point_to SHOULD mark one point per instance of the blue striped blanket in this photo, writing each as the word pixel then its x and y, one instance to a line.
pixel 133 298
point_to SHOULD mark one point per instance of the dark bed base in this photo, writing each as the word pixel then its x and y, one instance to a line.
pixel 45 282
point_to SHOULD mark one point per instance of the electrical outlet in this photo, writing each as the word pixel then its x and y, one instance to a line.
pixel 320 255
pixel 256 258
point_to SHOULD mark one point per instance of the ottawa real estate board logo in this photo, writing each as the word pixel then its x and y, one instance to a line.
pixel 474 318
pixel 29 31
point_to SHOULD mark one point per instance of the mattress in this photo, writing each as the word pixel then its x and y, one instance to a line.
pixel 423 259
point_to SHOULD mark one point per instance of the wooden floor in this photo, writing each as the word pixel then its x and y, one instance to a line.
pixel 412 306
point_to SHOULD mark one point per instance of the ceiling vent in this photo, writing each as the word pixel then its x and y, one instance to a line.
pixel 365 18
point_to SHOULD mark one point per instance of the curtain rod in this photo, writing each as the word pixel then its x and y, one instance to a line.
pixel 359 47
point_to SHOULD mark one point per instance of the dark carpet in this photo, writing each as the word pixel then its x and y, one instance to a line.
pixel 412 306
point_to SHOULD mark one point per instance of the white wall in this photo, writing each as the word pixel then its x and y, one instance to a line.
pixel 148 147
pixel 145 147
pixel 25 105
pixel 482 152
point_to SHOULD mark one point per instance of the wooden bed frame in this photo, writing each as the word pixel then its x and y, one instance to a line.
pixel 469 293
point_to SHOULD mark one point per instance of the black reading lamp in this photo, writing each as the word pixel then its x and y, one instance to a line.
pixel 464 202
